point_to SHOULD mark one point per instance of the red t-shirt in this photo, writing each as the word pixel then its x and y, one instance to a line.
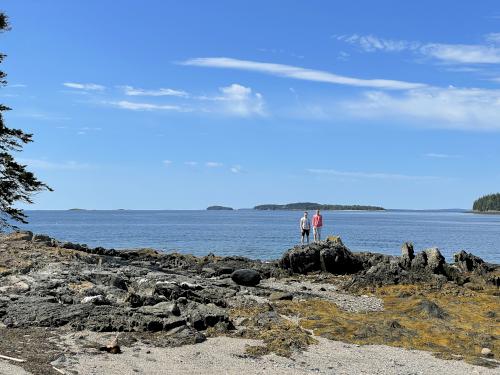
pixel 317 221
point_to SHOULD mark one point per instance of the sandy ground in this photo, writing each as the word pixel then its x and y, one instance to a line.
pixel 223 355
pixel 7 368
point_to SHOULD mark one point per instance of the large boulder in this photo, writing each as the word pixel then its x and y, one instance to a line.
pixel 329 256
pixel 302 259
pixel 338 259
pixel 246 277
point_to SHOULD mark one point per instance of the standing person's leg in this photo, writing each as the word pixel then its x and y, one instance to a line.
pixel 318 232
pixel 315 232
pixel 307 234
pixel 302 234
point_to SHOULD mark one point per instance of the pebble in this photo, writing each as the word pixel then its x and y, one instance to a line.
pixel 486 352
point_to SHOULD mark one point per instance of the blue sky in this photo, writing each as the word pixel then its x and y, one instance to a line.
pixel 180 105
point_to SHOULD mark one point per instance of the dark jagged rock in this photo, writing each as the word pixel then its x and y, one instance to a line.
pixel 303 259
pixel 337 259
pixel 468 262
pixel 419 263
pixel 435 260
pixel 407 255
pixel 246 277
pixel 330 256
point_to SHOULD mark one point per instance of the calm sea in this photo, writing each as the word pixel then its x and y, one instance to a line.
pixel 267 234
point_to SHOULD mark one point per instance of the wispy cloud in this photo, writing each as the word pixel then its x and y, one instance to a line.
pixel 167 162
pixel 131 91
pixel 457 108
pixel 236 169
pixel 134 106
pixel 441 156
pixel 371 43
pixel 371 175
pixel 17 85
pixel 84 86
pixel 449 53
pixel 300 73
pixel 462 53
pixel 50 165
pixel 213 164
pixel 191 163
pixel 39 115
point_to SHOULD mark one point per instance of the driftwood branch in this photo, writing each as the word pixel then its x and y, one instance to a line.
pixel 12 358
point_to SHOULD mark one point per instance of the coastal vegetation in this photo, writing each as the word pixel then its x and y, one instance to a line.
pixel 316 206
pixel 219 208
pixel 487 203
pixel 17 184
pixel 452 322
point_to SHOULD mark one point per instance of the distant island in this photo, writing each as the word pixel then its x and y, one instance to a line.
pixel 487 204
pixel 316 206
pixel 76 209
pixel 219 208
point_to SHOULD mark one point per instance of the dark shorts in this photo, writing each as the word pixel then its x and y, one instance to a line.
pixel 305 232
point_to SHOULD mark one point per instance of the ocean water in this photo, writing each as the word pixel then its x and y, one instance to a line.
pixel 267 234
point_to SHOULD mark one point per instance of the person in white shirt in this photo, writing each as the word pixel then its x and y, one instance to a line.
pixel 305 228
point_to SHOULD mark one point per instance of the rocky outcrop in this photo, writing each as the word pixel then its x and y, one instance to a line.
pixel 328 256
pixel 48 283
pixel 369 269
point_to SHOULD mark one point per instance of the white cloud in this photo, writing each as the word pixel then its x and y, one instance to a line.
pixel 295 72
pixel 241 101
pixel 372 175
pixel 465 108
pixel 131 91
pixel 213 164
pixel 449 53
pixel 84 86
pixel 191 163
pixel 167 162
pixel 17 85
pixel 49 165
pixel 236 169
pixel 462 53
pixel 440 156
pixel 134 106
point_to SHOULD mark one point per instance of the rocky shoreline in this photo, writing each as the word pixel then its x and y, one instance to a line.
pixel 49 289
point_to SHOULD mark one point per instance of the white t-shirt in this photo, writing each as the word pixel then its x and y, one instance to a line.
pixel 305 223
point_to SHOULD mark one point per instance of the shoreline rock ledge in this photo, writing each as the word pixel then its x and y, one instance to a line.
pixel 372 269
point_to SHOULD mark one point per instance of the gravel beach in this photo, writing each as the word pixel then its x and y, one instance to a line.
pixel 224 355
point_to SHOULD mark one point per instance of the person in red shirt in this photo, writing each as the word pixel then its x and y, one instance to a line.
pixel 317 223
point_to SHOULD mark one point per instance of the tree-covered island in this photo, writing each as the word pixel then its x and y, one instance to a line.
pixel 488 203
pixel 316 206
